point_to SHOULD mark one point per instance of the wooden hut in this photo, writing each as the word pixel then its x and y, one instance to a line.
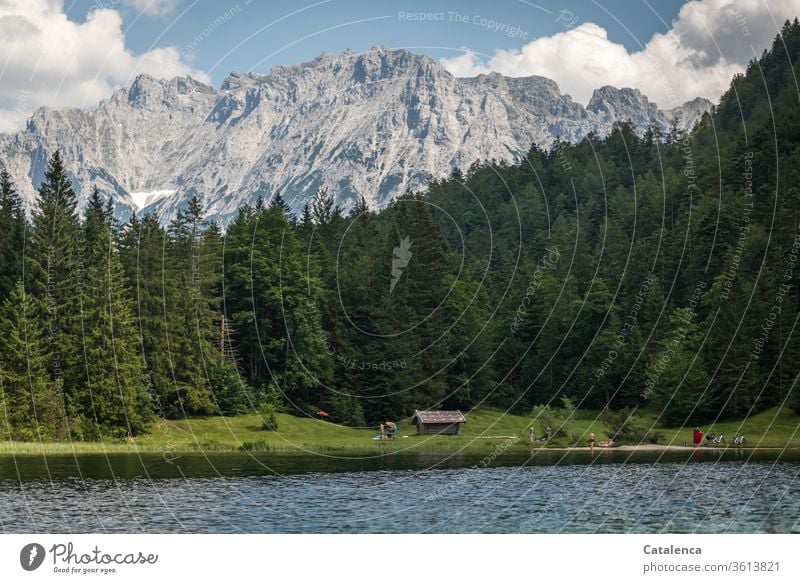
pixel 438 422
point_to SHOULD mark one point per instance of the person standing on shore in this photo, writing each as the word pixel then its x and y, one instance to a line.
pixel 533 434
pixel 591 441
pixel 697 436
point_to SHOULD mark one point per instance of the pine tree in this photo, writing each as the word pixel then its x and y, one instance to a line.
pixel 678 385
pixel 54 277
pixel 12 235
pixel 115 401
pixel 415 283
pixel 190 314
pixel 31 403
pixel 129 238
pixel 279 202
pixel 229 391
pixel 273 303
pixel 306 221
pixel 323 207
pixel 148 276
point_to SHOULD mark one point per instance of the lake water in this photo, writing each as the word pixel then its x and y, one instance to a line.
pixel 552 492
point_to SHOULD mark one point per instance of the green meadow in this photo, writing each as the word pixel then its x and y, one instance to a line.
pixel 485 429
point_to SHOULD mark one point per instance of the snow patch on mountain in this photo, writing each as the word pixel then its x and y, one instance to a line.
pixel 143 199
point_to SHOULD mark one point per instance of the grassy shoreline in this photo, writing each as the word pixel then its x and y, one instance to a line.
pixel 485 431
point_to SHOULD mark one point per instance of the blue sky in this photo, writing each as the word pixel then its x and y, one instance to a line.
pixel 333 26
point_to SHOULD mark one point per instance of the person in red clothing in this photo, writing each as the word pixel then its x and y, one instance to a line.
pixel 697 436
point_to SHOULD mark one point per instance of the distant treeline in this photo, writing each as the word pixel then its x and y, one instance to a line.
pixel 656 271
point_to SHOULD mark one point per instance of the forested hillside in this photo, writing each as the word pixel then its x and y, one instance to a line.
pixel 655 271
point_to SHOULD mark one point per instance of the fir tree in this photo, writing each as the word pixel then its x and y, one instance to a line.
pixel 323 207
pixel 273 303
pixel 190 314
pixel 31 401
pixel 115 399
pixel 55 275
pixel 12 235
pixel 279 202
pixel 147 269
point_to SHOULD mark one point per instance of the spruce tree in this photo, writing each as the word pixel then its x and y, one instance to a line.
pixel 54 276
pixel 189 313
pixel 31 401
pixel 150 279
pixel 323 207
pixel 12 235
pixel 279 202
pixel 273 302
pixel 115 402
pixel 306 220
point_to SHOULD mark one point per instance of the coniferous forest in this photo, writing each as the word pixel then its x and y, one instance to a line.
pixel 657 271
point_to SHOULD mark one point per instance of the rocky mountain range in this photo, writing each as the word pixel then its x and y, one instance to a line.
pixel 371 124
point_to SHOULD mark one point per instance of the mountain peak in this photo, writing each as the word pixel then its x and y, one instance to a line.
pixel 146 90
pixel 381 63
pixel 235 80
pixel 608 92
pixel 376 63
pixel 374 124
pixel 625 104
pixel 143 85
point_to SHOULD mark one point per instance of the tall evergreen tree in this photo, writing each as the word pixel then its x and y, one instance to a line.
pixel 144 248
pixel 12 234
pixel 115 399
pixel 31 401
pixel 274 305
pixel 189 313
pixel 54 276
pixel 279 202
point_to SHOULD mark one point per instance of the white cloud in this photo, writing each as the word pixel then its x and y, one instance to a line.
pixel 708 43
pixel 154 8
pixel 466 65
pixel 47 59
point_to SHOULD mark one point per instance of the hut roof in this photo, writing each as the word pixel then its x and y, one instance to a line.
pixel 438 417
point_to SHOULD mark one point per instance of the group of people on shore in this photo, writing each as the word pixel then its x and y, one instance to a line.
pixel 710 437
pixel 387 431
pixel 544 438
pixel 697 438
pixel 603 443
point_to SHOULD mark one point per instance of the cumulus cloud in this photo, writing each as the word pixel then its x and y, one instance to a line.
pixel 47 59
pixel 708 43
pixel 154 8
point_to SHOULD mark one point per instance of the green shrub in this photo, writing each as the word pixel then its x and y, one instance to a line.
pixel 559 421
pixel 269 416
pixel 626 425
pixel 231 394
